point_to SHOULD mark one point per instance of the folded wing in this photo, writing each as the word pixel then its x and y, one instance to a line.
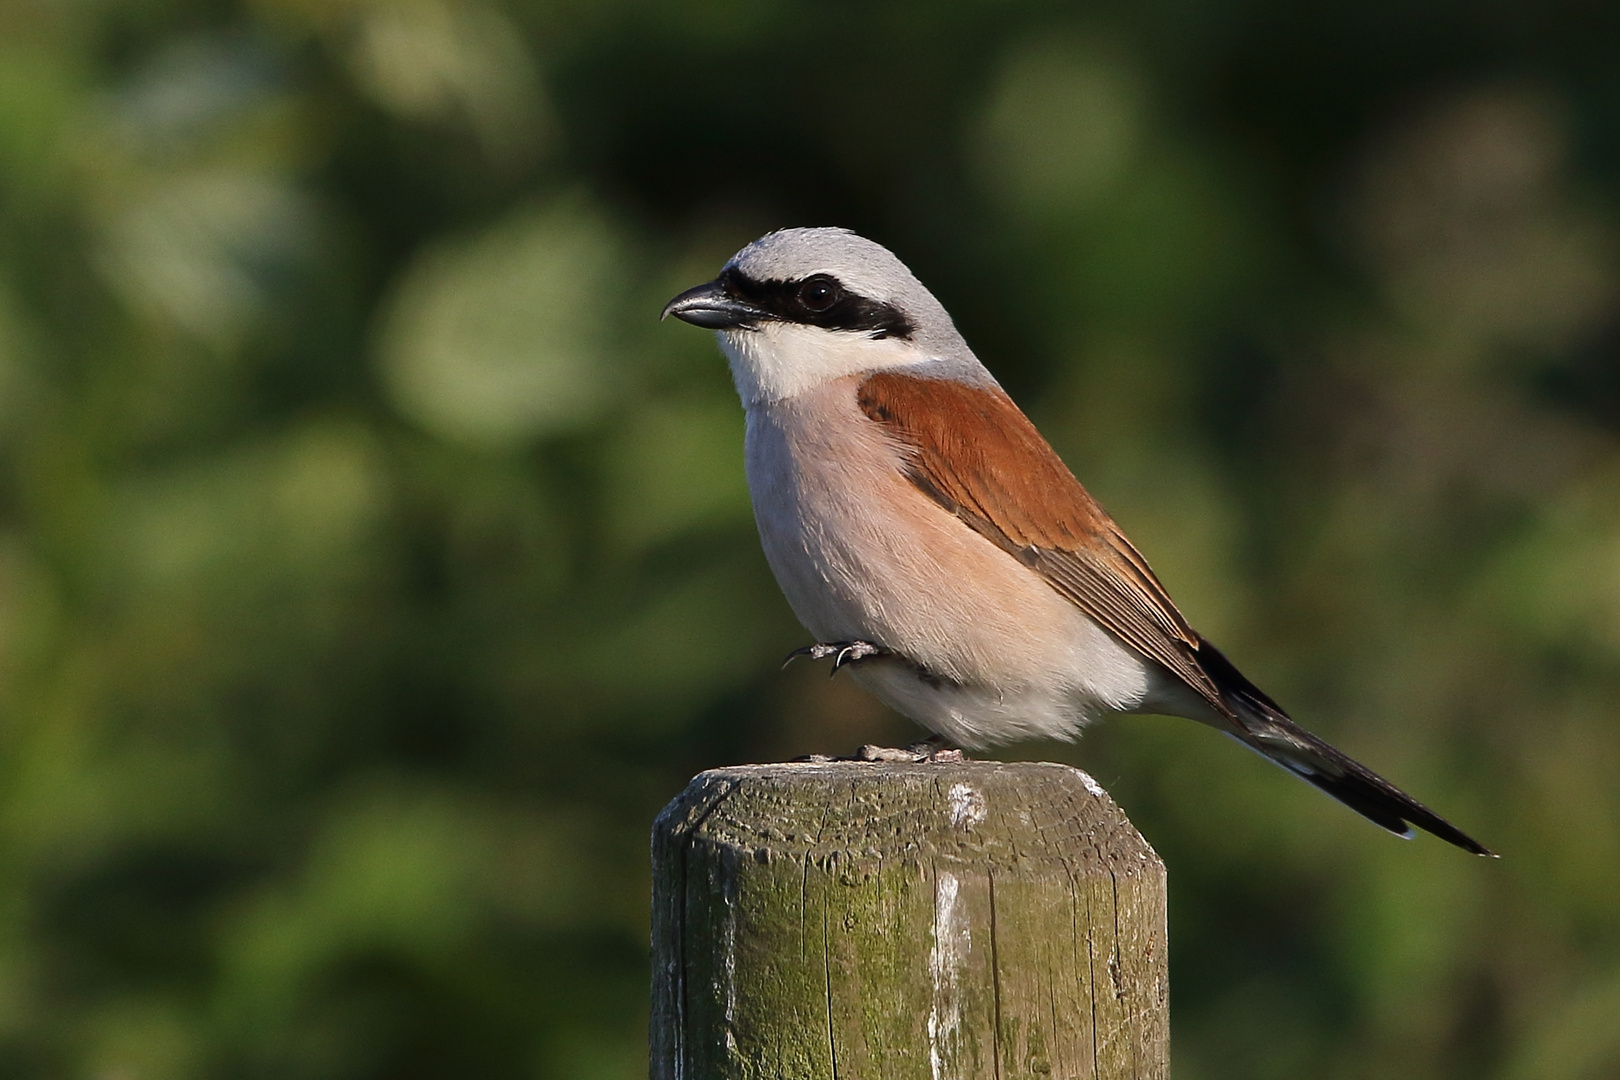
pixel 972 451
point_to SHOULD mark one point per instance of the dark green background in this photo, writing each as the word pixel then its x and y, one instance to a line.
pixel 374 565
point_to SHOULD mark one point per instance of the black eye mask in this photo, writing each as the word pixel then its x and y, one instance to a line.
pixel 818 300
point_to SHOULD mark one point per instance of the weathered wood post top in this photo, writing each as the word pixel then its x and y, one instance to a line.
pixel 947 921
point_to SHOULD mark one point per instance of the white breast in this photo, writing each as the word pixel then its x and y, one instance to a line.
pixel 861 554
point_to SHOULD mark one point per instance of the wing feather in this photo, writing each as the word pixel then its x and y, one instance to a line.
pixel 978 456
pixel 972 450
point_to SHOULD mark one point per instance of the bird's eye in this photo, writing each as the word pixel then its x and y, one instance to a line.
pixel 819 293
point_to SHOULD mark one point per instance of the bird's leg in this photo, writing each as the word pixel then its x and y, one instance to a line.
pixel 935 748
pixel 842 652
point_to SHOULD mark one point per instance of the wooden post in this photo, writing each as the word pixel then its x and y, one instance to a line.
pixel 847 920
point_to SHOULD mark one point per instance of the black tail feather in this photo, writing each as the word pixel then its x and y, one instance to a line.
pixel 1261 724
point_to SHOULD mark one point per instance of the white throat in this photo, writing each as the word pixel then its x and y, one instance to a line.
pixel 783 360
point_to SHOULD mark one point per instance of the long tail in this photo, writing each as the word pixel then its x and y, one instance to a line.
pixel 1262 726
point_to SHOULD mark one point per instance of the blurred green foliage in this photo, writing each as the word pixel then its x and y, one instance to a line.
pixel 373 565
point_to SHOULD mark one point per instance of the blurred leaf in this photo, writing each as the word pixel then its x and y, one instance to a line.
pixel 677 465
pixel 1063 125
pixel 289 510
pixel 205 248
pixel 507 337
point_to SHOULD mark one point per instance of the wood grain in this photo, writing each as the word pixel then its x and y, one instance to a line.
pixel 844 920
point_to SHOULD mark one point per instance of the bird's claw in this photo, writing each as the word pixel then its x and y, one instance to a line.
pixel 818 651
pixel 842 652
pixel 933 750
pixel 856 650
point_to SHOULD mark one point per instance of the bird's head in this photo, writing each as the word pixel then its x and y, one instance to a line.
pixel 799 308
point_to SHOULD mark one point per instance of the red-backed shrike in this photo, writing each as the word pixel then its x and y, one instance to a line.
pixel 931 540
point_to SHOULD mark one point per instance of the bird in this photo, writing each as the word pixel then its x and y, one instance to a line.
pixel 938 548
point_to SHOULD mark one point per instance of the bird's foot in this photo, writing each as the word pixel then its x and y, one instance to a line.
pixel 842 652
pixel 932 750
pixel 926 752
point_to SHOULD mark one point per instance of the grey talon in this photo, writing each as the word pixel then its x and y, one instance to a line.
pixel 842 652
pixel 818 651
pixel 853 651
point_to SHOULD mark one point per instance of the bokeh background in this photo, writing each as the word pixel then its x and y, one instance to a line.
pixel 374 565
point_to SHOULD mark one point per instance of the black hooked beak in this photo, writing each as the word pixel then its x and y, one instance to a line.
pixel 709 306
